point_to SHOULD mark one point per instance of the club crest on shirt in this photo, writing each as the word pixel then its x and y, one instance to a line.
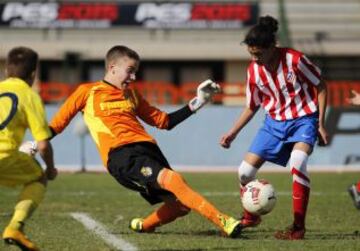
pixel 146 171
pixel 290 77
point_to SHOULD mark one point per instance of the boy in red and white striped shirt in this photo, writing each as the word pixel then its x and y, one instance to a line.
pixel 286 92
pixel 290 89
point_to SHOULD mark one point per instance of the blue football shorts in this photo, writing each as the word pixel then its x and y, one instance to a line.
pixel 275 140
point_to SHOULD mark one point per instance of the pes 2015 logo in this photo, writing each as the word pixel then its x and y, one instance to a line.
pixel 52 11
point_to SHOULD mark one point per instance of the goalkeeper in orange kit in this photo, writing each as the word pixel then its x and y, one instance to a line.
pixel 111 110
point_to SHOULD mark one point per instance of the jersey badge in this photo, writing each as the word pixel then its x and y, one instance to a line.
pixel 290 77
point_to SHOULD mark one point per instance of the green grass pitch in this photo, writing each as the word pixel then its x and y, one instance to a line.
pixel 333 223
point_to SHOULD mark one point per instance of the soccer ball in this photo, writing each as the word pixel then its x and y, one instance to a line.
pixel 258 197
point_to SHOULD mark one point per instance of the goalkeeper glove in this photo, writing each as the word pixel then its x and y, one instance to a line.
pixel 204 93
pixel 29 147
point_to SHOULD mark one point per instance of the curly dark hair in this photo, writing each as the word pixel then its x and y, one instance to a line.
pixel 263 34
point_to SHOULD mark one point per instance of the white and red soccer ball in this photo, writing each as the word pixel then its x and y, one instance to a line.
pixel 258 197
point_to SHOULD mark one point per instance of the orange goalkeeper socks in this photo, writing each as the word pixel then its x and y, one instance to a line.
pixel 165 214
pixel 173 182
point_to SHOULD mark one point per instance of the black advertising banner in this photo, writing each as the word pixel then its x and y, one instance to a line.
pixel 169 15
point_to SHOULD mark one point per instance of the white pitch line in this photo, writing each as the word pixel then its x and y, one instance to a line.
pixel 100 230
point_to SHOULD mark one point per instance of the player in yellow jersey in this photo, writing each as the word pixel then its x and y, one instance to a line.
pixel 112 110
pixel 22 108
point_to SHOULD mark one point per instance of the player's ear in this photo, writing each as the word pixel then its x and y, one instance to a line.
pixel 32 78
pixel 111 68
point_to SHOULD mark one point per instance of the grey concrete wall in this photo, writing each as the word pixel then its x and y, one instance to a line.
pixel 194 143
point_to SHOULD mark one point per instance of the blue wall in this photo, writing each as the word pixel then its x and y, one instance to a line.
pixel 195 142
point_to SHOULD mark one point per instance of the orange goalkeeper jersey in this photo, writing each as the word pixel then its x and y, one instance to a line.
pixel 111 115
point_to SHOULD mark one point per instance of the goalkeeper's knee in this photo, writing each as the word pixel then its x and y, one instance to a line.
pixel 181 209
pixel 171 181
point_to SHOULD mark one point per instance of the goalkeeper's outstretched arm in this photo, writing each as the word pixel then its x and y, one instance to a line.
pixel 204 93
pixel 179 116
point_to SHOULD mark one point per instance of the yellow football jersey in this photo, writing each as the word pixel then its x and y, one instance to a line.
pixel 20 108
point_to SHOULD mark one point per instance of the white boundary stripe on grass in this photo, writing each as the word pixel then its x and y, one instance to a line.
pixel 100 230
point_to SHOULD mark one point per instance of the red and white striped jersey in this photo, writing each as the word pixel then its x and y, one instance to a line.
pixel 289 92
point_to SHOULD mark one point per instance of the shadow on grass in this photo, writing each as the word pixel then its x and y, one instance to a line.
pixel 207 233
pixel 310 235
pixel 254 234
pixel 195 249
pixel 166 233
pixel 318 235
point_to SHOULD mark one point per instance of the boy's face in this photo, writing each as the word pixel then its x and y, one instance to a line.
pixel 124 71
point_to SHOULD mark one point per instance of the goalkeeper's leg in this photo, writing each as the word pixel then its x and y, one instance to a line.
pixel 168 212
pixel 173 182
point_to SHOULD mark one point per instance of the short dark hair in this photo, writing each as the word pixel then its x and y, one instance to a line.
pixel 263 34
pixel 120 51
pixel 21 62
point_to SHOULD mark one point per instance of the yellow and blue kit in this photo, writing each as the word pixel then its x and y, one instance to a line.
pixel 21 108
